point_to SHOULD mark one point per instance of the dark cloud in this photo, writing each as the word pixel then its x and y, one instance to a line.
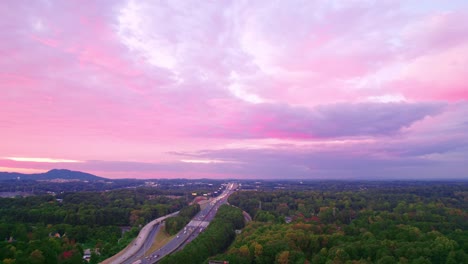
pixel 334 164
pixel 327 121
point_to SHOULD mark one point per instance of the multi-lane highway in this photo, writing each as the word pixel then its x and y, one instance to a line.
pixel 187 234
pixel 140 244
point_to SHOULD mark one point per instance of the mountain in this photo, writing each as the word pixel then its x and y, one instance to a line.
pixel 50 175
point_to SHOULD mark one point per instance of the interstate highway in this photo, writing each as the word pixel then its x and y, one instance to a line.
pixel 189 232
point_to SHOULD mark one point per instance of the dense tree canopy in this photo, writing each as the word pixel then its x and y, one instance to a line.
pixel 425 224
pixel 215 239
pixel 175 224
pixel 379 223
pixel 44 229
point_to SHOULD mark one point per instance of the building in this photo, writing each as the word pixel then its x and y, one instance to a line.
pixel 87 254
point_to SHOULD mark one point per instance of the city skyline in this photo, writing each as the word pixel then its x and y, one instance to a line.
pixel 236 89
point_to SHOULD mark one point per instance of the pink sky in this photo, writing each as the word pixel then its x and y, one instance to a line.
pixel 240 89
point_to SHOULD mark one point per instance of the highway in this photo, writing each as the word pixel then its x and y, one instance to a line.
pixel 139 245
pixel 187 234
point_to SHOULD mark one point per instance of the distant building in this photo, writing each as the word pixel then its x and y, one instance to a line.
pixel 87 254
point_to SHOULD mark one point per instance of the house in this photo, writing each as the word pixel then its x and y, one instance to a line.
pixel 87 254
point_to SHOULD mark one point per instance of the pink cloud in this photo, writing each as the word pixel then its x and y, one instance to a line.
pixel 435 32
pixel 133 81
pixel 441 75
pixel 326 121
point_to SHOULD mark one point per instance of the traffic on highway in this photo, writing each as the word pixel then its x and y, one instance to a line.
pixel 187 234
pixel 138 246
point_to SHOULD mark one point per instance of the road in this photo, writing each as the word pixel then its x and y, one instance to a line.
pixel 189 232
pixel 146 244
pixel 139 244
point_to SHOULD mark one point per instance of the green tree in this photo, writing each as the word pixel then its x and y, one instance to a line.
pixel 36 257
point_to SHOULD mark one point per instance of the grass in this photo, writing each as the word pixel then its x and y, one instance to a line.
pixel 160 240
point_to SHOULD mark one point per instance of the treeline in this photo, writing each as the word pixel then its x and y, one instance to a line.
pixel 163 186
pixel 119 207
pixel 42 187
pixel 423 224
pixel 46 250
pixel 76 221
pixel 305 204
pixel 215 239
pixel 176 223
pixel 57 243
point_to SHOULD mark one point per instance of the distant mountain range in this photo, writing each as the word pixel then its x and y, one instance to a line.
pixel 50 175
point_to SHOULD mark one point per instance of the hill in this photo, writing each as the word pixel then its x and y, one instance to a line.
pixel 51 175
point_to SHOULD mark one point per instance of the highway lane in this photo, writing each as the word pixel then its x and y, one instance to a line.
pixel 191 231
pixel 145 246
pixel 209 217
pixel 139 242
pixel 201 222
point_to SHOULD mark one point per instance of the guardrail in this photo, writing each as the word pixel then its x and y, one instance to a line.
pixel 134 247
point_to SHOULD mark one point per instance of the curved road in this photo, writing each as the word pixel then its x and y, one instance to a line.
pixel 190 232
pixel 139 244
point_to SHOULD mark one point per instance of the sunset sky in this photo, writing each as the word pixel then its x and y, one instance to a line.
pixel 338 89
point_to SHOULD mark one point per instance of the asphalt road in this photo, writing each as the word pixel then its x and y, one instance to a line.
pixel 145 245
pixel 190 232
pixel 147 234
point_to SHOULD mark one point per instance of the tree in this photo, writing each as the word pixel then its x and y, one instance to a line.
pixel 283 257
pixel 258 249
pixel 244 251
pixel 36 257
pixel 386 260
pixel 9 261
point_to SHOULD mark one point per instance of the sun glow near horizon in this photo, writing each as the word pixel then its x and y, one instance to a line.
pixel 42 160
pixel 21 170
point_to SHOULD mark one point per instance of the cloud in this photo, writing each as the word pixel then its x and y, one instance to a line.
pixel 47 160
pixel 130 82
pixel 434 147
pixel 348 163
pixel 325 121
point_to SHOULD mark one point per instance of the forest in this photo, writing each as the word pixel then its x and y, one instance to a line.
pixel 317 222
pixel 47 229
pixel 417 224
